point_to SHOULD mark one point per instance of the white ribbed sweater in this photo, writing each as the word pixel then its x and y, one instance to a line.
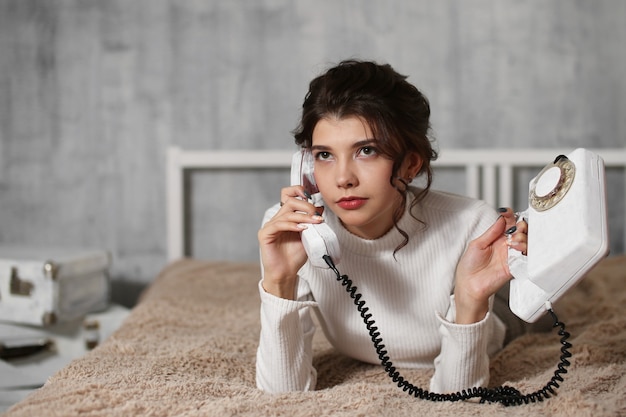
pixel 409 297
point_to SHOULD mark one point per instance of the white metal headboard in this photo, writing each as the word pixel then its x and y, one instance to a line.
pixel 489 174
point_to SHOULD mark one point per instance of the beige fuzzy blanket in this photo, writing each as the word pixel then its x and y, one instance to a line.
pixel 188 349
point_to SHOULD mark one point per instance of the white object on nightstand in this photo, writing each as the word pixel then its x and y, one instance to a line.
pixel 48 285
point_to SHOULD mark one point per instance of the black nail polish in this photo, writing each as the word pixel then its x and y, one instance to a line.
pixel 502 210
pixel 307 195
pixel 511 230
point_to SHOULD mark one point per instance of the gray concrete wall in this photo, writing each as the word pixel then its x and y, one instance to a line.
pixel 92 92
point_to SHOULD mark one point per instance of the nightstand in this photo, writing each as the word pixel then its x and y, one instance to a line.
pixel 21 376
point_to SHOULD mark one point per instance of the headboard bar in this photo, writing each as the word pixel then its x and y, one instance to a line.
pixel 489 174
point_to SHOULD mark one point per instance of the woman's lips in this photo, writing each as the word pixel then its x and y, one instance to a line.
pixel 351 203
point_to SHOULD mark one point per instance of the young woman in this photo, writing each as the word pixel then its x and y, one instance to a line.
pixel 428 263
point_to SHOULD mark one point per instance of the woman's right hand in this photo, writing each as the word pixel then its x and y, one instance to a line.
pixel 282 252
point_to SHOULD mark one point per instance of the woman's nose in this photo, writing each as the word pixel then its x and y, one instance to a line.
pixel 345 175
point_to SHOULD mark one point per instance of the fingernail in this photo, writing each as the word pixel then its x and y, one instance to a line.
pixel 307 195
pixel 511 230
pixel 502 210
pixel 317 217
pixel 317 213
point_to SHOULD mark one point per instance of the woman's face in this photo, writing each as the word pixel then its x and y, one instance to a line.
pixel 353 177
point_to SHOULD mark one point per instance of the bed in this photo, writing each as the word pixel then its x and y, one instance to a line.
pixel 188 347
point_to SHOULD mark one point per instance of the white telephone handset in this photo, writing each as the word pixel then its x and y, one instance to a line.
pixel 567 232
pixel 318 239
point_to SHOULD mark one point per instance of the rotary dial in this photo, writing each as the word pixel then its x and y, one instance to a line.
pixel 552 183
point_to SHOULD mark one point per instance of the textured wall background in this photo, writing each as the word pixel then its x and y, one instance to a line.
pixel 92 92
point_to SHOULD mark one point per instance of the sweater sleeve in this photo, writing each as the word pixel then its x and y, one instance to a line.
pixel 284 355
pixel 463 361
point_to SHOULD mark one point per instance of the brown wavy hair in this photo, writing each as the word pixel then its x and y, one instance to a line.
pixel 397 113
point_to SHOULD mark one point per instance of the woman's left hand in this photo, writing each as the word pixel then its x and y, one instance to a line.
pixel 483 268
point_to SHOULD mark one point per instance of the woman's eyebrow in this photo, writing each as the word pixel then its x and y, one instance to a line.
pixel 320 148
pixel 364 142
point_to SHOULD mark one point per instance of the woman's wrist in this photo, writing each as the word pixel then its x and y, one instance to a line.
pixel 282 288
pixel 469 310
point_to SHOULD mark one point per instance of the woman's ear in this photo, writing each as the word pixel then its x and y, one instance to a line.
pixel 411 166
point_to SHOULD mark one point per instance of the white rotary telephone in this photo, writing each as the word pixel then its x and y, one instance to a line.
pixel 567 236
pixel 567 232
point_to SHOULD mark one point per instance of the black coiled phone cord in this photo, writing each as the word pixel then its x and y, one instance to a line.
pixel 505 395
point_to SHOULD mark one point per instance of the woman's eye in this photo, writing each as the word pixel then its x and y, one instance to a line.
pixel 322 155
pixel 367 151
